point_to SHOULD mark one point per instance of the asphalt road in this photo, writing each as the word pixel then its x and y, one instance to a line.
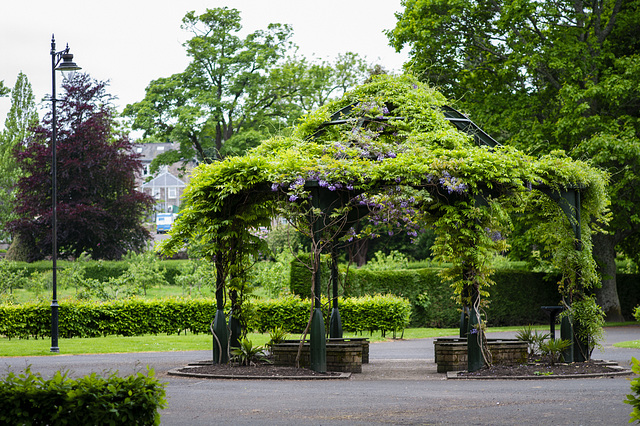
pixel 399 386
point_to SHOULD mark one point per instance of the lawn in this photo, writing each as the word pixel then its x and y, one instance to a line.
pixel 188 342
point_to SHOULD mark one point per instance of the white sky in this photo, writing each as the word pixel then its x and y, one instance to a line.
pixel 132 42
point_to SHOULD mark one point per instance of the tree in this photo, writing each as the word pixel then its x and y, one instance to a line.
pixel 3 89
pixel 21 119
pixel 236 91
pixel 545 76
pixel 216 95
pixel 99 211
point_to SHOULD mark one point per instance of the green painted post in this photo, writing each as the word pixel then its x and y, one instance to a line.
pixel 220 340
pixel 566 333
pixel 335 323
pixel 474 351
pixel 221 335
pixel 318 341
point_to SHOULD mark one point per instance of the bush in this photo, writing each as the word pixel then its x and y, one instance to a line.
pixel 515 299
pixel 27 398
pixel 633 399
pixel 273 276
pixel 135 317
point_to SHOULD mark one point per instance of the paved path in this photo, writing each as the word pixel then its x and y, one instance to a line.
pixel 399 386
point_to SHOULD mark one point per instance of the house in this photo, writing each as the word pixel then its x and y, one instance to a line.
pixel 169 183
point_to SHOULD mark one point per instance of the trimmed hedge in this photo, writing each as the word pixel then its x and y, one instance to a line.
pixel 127 317
pixel 360 314
pixel 135 317
pixel 515 298
pixel 29 399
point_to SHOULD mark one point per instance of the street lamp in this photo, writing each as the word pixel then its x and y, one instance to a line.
pixel 66 65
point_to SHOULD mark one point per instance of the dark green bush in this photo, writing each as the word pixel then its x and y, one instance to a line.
pixel 628 286
pixel 369 313
pixel 28 399
pixel 515 299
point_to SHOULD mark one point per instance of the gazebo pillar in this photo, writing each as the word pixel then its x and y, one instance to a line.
pixel 221 336
pixel 318 341
pixel 335 323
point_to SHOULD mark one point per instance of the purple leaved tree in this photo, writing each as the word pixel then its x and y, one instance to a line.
pixel 99 210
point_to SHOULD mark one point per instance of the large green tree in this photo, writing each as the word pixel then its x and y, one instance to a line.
pixel 544 76
pixel 21 119
pixel 237 91
pixel 218 92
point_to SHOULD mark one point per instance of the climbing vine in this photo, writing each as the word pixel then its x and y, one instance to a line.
pixel 387 148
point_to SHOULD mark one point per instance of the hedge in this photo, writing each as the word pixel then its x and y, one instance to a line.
pixel 135 317
pixel 516 296
pixel 29 399
pixel 360 314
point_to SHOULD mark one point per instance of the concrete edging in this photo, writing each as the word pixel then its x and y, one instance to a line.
pixel 616 370
pixel 177 372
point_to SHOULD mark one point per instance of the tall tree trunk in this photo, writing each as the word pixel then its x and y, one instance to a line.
pixel 607 296
pixel 358 252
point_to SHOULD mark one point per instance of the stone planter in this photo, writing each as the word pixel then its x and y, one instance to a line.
pixel 451 353
pixel 345 355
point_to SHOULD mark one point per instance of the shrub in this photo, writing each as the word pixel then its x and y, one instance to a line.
pixel 534 339
pixel 274 276
pixel 27 398
pixel 515 298
pixel 277 335
pixel 301 276
pixel 383 262
pixel 247 354
pixel 633 399
pixel 554 348
pixel 194 274
pixel 135 317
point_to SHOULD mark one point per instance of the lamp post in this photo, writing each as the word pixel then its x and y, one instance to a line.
pixel 66 65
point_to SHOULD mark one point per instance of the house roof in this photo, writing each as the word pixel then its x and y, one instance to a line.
pixel 164 180
pixel 149 151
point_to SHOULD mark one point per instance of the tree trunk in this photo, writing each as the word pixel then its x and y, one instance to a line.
pixel 358 252
pixel 607 296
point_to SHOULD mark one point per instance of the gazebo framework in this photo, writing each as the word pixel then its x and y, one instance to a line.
pixel 386 158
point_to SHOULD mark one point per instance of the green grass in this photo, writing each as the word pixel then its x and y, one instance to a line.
pixel 193 342
pixel 163 343
pixel 631 344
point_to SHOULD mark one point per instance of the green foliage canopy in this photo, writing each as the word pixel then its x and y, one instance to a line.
pixel 394 151
pixel 544 76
